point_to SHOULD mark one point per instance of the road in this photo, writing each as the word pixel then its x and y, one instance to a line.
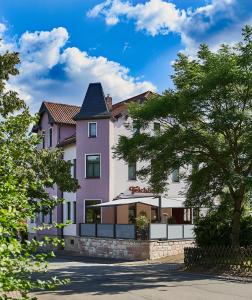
pixel 96 280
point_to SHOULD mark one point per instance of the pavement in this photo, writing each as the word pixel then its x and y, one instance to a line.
pixel 93 279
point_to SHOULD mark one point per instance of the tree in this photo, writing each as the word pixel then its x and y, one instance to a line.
pixel 206 123
pixel 24 173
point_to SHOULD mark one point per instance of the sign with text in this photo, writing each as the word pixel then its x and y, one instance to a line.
pixel 138 189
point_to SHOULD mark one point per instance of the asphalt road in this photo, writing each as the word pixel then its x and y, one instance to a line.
pixel 96 280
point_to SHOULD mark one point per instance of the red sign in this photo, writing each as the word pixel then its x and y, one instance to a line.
pixel 138 189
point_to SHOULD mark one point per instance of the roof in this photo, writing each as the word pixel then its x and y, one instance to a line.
pixel 67 141
pixel 119 107
pixel 60 113
pixel 94 104
pixel 93 107
pixel 171 202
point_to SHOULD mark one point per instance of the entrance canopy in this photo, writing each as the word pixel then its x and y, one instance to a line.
pixel 153 201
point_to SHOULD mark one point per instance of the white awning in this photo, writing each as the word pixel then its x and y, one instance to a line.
pixel 165 202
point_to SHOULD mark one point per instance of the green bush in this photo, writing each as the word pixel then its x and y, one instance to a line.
pixel 215 229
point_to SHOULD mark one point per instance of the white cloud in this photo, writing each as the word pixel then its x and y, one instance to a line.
pixel 162 17
pixel 154 16
pixel 82 68
pixel 43 51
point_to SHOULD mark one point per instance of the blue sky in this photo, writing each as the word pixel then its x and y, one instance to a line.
pixel 127 45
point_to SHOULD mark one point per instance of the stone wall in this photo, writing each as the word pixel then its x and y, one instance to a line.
pixel 126 249
pixel 160 249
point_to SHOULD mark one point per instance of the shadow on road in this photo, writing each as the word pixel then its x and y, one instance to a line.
pixel 98 278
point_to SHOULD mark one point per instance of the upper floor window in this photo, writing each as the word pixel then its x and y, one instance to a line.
pixel 92 129
pixel 93 166
pixel 43 138
pixel 132 171
pixel 136 128
pixel 50 137
pixel 175 175
pixel 156 127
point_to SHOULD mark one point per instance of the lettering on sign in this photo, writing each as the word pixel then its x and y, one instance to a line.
pixel 138 189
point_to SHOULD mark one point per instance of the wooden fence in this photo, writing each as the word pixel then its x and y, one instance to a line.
pixel 219 257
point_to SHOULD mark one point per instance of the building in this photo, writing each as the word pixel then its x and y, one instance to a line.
pixel 87 135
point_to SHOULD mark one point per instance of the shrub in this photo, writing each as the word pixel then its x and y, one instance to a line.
pixel 215 229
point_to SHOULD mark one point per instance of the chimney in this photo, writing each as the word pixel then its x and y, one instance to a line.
pixel 109 102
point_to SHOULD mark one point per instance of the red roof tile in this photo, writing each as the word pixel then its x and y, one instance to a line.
pixel 62 113
pixel 119 107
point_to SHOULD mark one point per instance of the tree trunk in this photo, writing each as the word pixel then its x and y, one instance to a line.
pixel 236 223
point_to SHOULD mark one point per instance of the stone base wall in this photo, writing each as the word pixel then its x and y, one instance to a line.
pixel 160 249
pixel 126 249
pixel 71 243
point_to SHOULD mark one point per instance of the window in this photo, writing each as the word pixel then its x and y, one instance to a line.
pixel 74 168
pixel 42 217
pixel 50 137
pixel 93 166
pixel 132 171
pixel 195 167
pixel 156 127
pixel 92 214
pixel 68 211
pixel 154 214
pixel 136 128
pixel 175 175
pixel 74 212
pixel 43 139
pixel 92 129
pixel 50 217
pixel 132 213
pixel 187 215
pixel 71 168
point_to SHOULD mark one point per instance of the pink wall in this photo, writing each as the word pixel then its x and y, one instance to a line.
pixel 92 189
pixel 65 131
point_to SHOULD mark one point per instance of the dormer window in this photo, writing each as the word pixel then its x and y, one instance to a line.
pixel 92 129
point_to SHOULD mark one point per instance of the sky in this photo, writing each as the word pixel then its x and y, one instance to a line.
pixel 128 46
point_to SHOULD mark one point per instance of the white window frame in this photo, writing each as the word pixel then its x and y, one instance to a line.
pixel 84 208
pixel 89 131
pixel 85 164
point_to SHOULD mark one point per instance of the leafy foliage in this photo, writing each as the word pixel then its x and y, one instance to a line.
pixel 24 174
pixel 214 230
pixel 206 121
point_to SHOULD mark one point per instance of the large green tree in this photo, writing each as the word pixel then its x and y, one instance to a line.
pixel 25 171
pixel 206 122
